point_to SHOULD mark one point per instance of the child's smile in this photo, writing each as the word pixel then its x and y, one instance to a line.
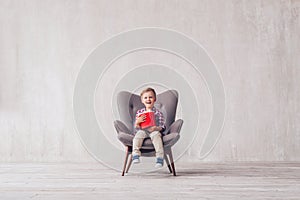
pixel 148 99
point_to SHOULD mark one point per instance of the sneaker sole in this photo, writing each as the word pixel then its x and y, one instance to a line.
pixel 158 166
pixel 135 161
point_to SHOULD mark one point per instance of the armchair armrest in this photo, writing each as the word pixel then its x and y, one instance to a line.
pixel 175 127
pixel 121 127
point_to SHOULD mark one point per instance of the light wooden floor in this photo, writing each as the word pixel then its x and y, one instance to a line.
pixel 194 181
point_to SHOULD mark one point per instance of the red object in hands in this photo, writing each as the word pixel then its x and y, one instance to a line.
pixel 149 121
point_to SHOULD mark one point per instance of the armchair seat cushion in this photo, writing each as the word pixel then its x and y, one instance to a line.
pixel 168 140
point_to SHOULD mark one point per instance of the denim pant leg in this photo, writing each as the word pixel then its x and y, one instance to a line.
pixel 157 143
pixel 138 142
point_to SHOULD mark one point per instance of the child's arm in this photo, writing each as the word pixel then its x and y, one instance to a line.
pixel 161 121
pixel 139 119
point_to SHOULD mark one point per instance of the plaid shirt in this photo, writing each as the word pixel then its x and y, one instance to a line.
pixel 159 118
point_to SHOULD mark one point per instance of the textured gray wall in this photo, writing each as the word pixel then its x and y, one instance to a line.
pixel 255 45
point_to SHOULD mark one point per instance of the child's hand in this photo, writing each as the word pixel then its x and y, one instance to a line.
pixel 140 119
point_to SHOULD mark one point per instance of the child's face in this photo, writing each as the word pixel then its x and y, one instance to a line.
pixel 148 99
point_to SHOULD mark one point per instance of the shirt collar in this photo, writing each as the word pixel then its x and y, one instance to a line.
pixel 153 109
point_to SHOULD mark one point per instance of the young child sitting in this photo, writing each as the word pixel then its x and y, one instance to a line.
pixel 148 98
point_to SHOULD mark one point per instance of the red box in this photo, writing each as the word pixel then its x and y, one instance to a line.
pixel 149 121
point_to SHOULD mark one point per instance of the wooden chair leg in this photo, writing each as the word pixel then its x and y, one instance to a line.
pixel 168 163
pixel 125 163
pixel 129 164
pixel 172 162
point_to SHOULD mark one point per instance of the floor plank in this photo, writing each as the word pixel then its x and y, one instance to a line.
pixel 195 180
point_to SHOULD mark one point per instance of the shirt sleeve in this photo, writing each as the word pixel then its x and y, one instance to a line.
pixel 161 120
pixel 136 116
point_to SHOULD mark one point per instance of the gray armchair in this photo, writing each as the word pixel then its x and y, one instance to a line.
pixel 128 104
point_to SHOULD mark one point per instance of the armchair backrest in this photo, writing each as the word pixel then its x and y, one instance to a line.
pixel 129 103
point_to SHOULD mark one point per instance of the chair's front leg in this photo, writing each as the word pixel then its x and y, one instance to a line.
pixel 129 164
pixel 168 163
pixel 126 158
pixel 172 161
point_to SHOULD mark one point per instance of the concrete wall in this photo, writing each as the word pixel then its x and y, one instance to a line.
pixel 255 45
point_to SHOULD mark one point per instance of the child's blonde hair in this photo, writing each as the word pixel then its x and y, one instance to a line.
pixel 148 90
